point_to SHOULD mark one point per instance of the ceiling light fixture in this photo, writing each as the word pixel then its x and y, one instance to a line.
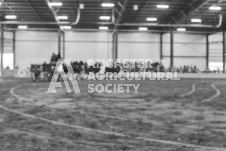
pixel 22 27
pixel 163 6
pixel 103 28
pixel 10 17
pixel 66 27
pixel 143 28
pixel 107 5
pixel 181 29
pixel 196 20
pixel 105 17
pixel 152 19
pixel 62 17
pixel 55 4
pixel 215 8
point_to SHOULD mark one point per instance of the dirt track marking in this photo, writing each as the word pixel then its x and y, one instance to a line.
pixel 215 96
pixel 95 114
pixel 190 92
pixel 59 123
pixel 46 137
pixel 17 96
pixel 132 119
pixel 112 133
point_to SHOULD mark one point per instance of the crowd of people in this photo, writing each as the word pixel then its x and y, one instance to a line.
pixel 115 67
pixel 79 66
pixel 188 69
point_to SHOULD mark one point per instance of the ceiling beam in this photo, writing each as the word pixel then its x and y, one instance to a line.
pixel 187 12
pixel 121 13
pixel 10 8
pixel 168 25
pixel 108 23
pixel 28 2
pixel 53 12
pixel 142 10
pixel 48 23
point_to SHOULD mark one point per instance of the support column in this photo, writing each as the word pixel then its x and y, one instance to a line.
pixel 207 51
pixel 171 49
pixel 59 41
pixel 224 50
pixel 14 49
pixel 161 46
pixel 63 45
pixel 2 45
pixel 115 46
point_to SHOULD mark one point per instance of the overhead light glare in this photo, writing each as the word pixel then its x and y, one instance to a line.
pixel 107 5
pixel 62 17
pixel 196 20
pixel 55 4
pixel 103 28
pixel 215 8
pixel 22 27
pixel 10 17
pixel 181 29
pixel 152 19
pixel 163 6
pixel 143 28
pixel 105 17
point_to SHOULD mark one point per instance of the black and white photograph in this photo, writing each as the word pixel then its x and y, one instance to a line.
pixel 112 75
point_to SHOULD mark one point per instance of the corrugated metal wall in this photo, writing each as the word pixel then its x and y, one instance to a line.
pixel 37 47
pixel 216 47
pixel 216 51
pixel 33 47
pixel 88 45
pixel 8 50
pixel 189 49
pixel 139 46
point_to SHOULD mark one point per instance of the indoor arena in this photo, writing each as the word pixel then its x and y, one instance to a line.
pixel 112 75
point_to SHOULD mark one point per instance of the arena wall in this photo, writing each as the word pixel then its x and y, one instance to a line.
pixel 34 47
pixel 139 46
pixel 37 46
pixel 88 45
pixel 216 51
pixel 189 49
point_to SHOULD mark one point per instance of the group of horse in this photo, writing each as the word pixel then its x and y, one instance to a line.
pixel 46 71
pixel 79 67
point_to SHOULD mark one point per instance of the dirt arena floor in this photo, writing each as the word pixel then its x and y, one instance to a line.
pixel 185 115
